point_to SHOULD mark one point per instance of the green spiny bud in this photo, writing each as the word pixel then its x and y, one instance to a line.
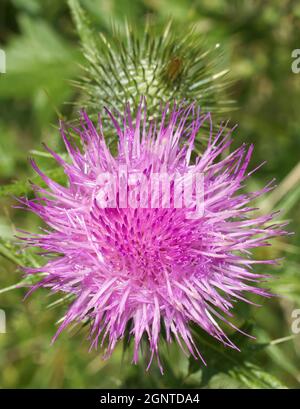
pixel 161 65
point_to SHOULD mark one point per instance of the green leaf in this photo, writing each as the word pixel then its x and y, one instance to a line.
pixel 228 368
pixel 14 253
pixel 40 66
pixel 39 58
pixel 83 28
pixel 22 257
pixel 23 187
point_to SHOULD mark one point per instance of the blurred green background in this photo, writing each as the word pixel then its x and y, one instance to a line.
pixel 43 55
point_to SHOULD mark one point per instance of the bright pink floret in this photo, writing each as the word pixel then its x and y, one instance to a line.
pixel 148 267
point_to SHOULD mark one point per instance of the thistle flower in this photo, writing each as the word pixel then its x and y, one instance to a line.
pixel 146 268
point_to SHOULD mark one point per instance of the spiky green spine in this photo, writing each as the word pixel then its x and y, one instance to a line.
pixel 160 65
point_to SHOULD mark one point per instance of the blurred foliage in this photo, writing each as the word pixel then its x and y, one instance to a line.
pixel 43 58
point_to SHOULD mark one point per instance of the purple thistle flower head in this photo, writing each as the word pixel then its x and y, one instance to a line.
pixel 139 255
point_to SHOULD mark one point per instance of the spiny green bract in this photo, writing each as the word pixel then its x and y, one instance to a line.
pixel 163 65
